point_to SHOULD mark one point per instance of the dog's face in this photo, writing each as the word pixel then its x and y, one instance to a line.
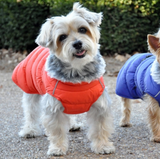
pixel 154 45
pixel 73 38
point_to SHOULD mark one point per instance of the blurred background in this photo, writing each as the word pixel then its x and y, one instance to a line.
pixel 124 28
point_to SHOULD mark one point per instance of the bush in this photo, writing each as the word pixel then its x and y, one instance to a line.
pixel 125 31
pixel 124 27
pixel 20 24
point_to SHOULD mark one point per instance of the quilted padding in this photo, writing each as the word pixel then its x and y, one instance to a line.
pixel 27 75
pixel 134 79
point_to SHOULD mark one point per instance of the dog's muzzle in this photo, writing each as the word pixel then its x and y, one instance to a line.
pixel 80 52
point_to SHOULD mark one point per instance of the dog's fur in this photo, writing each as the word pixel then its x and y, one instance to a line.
pixel 74 57
pixel 153 105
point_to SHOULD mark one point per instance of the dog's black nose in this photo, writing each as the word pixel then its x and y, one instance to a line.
pixel 77 44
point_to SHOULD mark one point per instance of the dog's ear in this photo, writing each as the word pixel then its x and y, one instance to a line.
pixel 153 43
pixel 44 38
pixel 91 17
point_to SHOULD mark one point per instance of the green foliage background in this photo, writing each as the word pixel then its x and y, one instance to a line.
pixel 124 28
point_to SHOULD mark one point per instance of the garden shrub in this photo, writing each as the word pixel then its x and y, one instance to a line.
pixel 20 24
pixel 125 31
pixel 124 27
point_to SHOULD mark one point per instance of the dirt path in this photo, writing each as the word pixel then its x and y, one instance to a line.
pixel 130 142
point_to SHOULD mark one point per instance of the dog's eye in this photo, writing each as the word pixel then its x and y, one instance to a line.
pixel 62 37
pixel 82 30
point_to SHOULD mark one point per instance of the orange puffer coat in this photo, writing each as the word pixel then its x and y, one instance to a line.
pixel 31 77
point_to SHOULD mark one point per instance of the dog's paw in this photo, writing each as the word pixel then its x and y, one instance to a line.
pixel 104 149
pixel 55 151
pixel 76 127
pixel 155 139
pixel 30 133
pixel 125 124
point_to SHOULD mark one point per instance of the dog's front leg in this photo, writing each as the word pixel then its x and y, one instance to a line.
pixel 153 118
pixel 126 112
pixel 56 125
pixel 32 113
pixel 100 126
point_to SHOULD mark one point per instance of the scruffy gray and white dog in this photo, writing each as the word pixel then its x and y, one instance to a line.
pixel 73 44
